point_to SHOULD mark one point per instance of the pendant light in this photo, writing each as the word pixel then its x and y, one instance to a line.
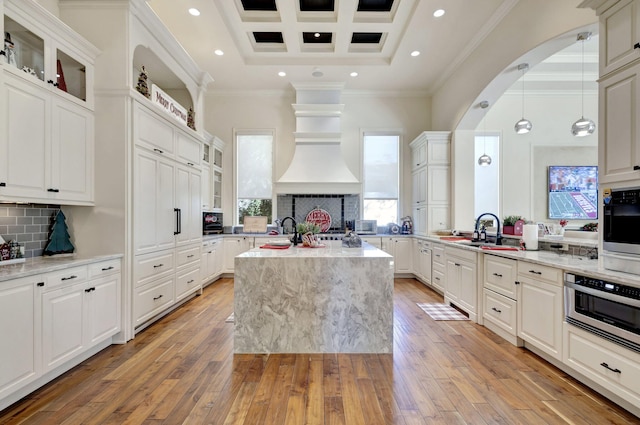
pixel 484 160
pixel 584 126
pixel 524 125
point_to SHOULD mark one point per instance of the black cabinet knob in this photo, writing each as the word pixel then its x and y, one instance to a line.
pixel 636 46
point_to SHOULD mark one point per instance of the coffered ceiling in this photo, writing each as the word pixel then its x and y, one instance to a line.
pixel 328 40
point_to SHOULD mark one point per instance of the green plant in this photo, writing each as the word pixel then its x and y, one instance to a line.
pixel 307 227
pixel 510 220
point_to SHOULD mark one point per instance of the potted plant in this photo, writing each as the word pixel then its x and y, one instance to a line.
pixel 508 224
pixel 308 232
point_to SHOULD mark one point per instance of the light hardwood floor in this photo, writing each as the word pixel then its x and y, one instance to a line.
pixel 183 370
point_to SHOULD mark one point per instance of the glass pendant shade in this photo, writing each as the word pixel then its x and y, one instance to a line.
pixel 484 160
pixel 523 126
pixel 583 127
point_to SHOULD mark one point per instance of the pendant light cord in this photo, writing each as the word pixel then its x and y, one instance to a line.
pixel 523 93
pixel 582 82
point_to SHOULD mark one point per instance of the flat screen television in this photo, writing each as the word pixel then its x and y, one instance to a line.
pixel 573 192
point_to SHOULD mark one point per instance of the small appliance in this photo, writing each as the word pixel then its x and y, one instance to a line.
pixel 366 227
pixel 211 223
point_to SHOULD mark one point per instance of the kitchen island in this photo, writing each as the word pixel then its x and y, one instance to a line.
pixel 313 300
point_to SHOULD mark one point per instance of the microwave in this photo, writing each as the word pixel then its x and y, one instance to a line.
pixel 366 227
pixel 621 212
pixel 211 223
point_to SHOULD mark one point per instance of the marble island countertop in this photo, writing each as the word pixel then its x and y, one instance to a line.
pixel 37 265
pixel 327 251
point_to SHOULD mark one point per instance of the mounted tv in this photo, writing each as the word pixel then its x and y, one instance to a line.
pixel 573 192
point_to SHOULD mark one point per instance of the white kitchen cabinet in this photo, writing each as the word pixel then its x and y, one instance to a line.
pixel 189 150
pixel 212 260
pixel 422 260
pixel 217 173
pixel 619 135
pixel 372 240
pixel 153 205
pixel 619 36
pixel 461 286
pixel 605 363
pixel 438 267
pixel 234 246
pixel 540 307
pixel 206 175
pixel 431 185
pixel 501 275
pixel 500 297
pixel 46 147
pixel 400 248
pixel 153 298
pixel 188 201
pixel 188 264
pixel 20 332
pixel 102 305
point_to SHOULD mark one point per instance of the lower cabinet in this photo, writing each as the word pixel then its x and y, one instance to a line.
pixel 461 285
pixel 212 261
pixel 400 248
pixel 540 307
pixel 49 321
pixel 422 260
pixel 500 297
pixel 438 267
pixel 233 247
pixel 609 365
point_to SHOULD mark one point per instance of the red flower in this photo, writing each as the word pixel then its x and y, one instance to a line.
pixel 563 222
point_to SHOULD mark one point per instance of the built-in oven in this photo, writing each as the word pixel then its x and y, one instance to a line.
pixel 610 310
pixel 211 223
pixel 621 221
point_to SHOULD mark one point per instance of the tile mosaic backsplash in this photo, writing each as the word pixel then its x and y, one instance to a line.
pixel 339 207
pixel 28 224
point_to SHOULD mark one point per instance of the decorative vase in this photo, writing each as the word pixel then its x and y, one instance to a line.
pixel 310 240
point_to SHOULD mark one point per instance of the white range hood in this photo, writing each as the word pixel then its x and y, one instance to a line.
pixel 318 165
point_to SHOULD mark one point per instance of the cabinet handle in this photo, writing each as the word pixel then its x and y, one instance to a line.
pixel 534 272
pixel 158 150
pixel 209 252
pixel 107 268
pixel 157 298
pixel 158 265
pixel 497 274
pixel 190 281
pixel 496 310
pixel 517 282
pixel 606 366
pixel 190 164
pixel 436 278
pixel 90 289
pixel 457 265
pixel 636 167
pixel 40 284
pixel 49 81
pixel 178 213
pixel 189 256
pixel 55 84
pixel 3 184
pixel 3 53
pixel 53 190
pixel 636 46
pixel 69 278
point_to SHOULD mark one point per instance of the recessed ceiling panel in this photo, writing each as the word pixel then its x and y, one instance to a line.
pixel 375 5
pixel 268 37
pixel 259 5
pixel 317 5
pixel 317 37
pixel 366 37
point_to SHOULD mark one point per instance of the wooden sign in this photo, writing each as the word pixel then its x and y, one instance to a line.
pixel 320 217
pixel 168 105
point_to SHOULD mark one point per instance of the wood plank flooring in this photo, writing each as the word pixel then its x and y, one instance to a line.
pixel 182 370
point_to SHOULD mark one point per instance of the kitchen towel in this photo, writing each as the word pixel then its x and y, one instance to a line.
pixel 530 237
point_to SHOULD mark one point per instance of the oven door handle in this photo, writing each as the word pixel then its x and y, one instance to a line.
pixel 603 294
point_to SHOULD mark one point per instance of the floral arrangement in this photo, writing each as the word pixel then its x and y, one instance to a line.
pixel 510 220
pixel 563 223
pixel 308 227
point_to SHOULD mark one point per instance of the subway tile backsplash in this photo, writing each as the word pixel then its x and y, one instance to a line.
pixel 28 224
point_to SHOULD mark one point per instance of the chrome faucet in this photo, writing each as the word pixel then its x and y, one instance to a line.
pixel 295 228
pixel 498 235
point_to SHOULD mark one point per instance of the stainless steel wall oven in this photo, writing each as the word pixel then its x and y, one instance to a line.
pixel 610 310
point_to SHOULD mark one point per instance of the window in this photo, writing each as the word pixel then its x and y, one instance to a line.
pixel 487 178
pixel 381 177
pixel 254 165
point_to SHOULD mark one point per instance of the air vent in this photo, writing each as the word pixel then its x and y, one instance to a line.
pixel 366 37
pixel 375 5
pixel 268 37
pixel 317 37
pixel 259 5
pixel 317 5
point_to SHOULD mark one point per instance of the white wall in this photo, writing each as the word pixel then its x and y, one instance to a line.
pixel 273 110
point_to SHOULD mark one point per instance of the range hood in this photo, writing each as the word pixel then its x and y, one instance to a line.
pixel 318 165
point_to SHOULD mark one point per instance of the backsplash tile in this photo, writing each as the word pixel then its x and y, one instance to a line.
pixel 339 207
pixel 28 224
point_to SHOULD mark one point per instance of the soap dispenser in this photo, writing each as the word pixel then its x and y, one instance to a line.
pixel 483 234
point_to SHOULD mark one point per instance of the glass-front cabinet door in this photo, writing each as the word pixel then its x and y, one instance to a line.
pixel 23 49
pixel 217 157
pixel 70 75
pixel 217 189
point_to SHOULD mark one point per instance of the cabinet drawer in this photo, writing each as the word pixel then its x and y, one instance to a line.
pixel 500 275
pixel 152 266
pixel 538 272
pixel 152 298
pixel 187 281
pixel 500 310
pixel 437 278
pixel 65 277
pixel 438 255
pixel 461 253
pixel 153 132
pixel 104 268
pixel 188 255
pixel 610 365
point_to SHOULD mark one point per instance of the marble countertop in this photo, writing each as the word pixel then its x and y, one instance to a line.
pixel 38 265
pixel 328 251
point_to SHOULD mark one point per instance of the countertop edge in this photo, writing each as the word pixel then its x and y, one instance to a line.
pixel 38 265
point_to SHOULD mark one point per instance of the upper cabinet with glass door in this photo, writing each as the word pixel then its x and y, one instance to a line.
pixel 41 49
pixel 216 155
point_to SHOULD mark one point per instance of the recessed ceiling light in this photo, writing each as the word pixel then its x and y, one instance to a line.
pixel 316 35
pixel 438 13
pixel 282 74
pixel 194 11
pixel 218 52
pixel 354 74
pixel 415 53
